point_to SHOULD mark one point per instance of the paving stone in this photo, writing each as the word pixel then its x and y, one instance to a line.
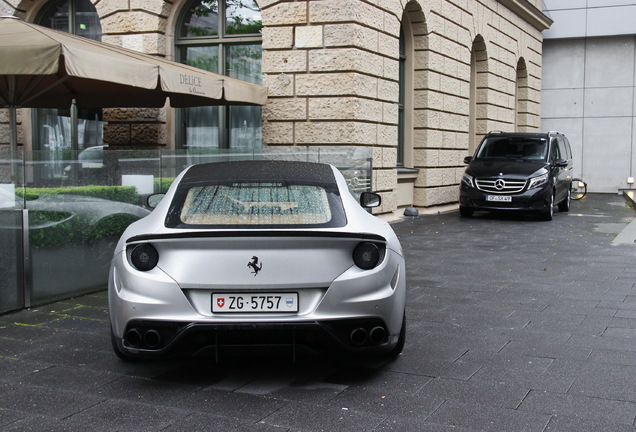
pixel 198 422
pixel 44 401
pixel 144 390
pixel 298 416
pixel 580 406
pixel 415 424
pixel 116 415
pixel 39 423
pixel 231 404
pixel 80 379
pixel 9 417
pixel 577 424
pixel 26 333
pixel 605 381
pixel 71 354
pixel 621 313
pixel 618 332
pixel 496 392
pixel 13 370
pixel 488 418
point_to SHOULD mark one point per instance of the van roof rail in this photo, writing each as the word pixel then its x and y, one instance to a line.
pixel 496 131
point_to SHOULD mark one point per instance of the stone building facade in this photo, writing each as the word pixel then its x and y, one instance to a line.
pixel 417 80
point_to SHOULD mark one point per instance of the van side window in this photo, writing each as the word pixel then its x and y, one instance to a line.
pixel 555 153
pixel 568 149
pixel 563 149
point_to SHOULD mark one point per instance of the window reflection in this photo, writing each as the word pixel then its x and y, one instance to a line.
pixel 201 20
pixel 54 126
pixel 208 42
pixel 242 17
pixel 244 62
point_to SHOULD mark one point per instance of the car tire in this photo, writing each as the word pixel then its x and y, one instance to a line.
pixel 548 213
pixel 564 205
pixel 466 211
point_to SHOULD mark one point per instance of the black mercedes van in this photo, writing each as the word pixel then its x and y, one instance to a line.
pixel 528 172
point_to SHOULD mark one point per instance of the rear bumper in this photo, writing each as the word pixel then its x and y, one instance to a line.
pixel 160 339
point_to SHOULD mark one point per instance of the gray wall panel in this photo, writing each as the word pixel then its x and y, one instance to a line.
pixel 564 62
pixel 609 62
pixel 565 4
pixel 567 24
pixel 602 3
pixel 607 147
pixel 609 102
pixel 562 103
pixel 576 18
pixel 611 21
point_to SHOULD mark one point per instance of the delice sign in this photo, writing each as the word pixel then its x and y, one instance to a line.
pixel 194 82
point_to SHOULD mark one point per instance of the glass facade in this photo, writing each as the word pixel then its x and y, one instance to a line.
pixel 222 37
pixel 58 241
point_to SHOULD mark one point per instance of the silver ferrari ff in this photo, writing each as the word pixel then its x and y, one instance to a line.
pixel 269 253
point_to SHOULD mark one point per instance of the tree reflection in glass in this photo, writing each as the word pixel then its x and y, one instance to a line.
pixel 242 17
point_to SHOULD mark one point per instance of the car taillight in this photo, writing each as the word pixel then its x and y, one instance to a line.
pixel 143 256
pixel 366 255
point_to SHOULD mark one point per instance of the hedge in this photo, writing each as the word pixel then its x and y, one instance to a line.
pixel 127 194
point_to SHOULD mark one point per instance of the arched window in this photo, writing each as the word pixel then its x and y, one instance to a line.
pixel 70 128
pixel 224 37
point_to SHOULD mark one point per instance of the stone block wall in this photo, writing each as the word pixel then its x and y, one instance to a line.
pixel 332 68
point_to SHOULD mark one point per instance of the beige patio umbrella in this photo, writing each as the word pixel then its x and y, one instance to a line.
pixel 45 68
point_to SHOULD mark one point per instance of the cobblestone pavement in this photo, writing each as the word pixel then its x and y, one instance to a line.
pixel 513 325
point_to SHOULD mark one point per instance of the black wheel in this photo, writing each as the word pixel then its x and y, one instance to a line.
pixel 466 211
pixel 578 188
pixel 548 213
pixel 565 204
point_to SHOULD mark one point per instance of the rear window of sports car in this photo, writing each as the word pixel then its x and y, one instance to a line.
pixel 255 204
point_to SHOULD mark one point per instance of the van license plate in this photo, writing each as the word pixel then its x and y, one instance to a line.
pixel 499 198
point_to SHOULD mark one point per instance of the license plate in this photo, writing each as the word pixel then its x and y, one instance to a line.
pixel 254 302
pixel 499 198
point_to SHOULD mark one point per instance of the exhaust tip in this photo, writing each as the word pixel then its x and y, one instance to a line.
pixel 133 337
pixel 152 338
pixel 358 336
pixel 378 335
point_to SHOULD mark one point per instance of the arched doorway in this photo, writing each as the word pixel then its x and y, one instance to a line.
pixel 413 59
pixel 478 89
pixel 522 115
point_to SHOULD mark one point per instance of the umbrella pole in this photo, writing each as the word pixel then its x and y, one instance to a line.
pixel 13 124
pixel 74 126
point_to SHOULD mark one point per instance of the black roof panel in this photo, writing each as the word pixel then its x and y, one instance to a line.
pixel 260 171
